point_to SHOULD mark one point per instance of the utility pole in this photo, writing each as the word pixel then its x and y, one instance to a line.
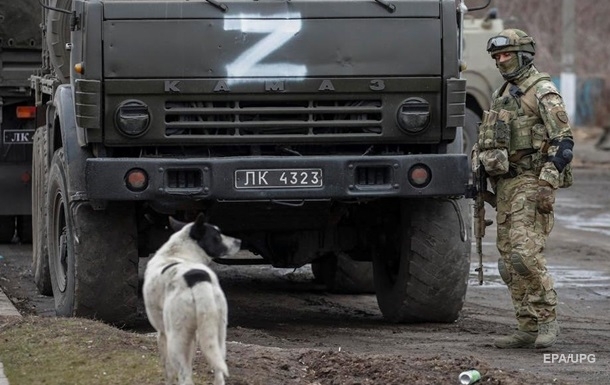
pixel 568 77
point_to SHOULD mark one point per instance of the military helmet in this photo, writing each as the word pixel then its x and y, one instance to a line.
pixel 511 40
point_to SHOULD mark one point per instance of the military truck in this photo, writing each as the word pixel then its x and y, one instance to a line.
pixel 20 50
pixel 307 129
pixel 482 76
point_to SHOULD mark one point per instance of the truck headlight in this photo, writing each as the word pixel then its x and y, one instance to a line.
pixel 132 118
pixel 413 115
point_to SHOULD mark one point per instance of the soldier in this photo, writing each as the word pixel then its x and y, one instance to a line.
pixel 525 145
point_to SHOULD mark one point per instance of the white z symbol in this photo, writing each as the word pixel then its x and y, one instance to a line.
pixel 247 64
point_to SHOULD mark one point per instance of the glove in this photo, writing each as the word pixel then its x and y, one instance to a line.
pixel 545 197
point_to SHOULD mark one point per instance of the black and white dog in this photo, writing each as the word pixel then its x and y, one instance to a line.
pixel 185 303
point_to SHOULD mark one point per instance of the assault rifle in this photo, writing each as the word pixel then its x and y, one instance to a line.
pixel 478 191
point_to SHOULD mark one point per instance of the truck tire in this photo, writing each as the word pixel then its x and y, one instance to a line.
pixel 470 131
pixel 93 255
pixel 58 35
pixel 421 271
pixel 40 173
pixel 7 228
pixel 341 274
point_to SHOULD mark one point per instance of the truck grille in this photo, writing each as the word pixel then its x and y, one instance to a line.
pixel 275 117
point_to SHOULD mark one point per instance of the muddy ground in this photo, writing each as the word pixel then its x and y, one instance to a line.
pixel 286 329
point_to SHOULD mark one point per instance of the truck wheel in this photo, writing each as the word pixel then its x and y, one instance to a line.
pixel 421 270
pixel 471 124
pixel 58 34
pixel 93 255
pixel 40 172
pixel 341 274
pixel 7 228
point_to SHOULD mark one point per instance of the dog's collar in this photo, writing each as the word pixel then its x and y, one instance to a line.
pixel 168 266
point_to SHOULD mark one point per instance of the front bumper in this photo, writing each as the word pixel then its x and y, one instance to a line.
pixel 176 179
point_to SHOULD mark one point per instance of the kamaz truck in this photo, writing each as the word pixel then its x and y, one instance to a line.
pixel 20 55
pixel 310 129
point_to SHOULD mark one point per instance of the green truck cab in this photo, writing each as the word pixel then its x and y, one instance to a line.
pixel 309 129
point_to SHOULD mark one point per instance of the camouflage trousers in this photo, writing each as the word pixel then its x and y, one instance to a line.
pixel 522 235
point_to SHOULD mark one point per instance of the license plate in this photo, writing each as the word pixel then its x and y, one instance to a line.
pixel 18 136
pixel 279 178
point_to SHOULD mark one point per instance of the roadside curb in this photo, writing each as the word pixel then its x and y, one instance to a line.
pixel 6 309
pixel 3 379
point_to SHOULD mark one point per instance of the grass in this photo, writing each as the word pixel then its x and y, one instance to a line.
pixel 48 351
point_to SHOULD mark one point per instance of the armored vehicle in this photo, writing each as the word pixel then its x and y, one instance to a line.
pixel 20 44
pixel 309 129
pixel 482 76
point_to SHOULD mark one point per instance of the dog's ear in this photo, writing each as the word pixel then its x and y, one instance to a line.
pixel 175 224
pixel 201 219
pixel 198 229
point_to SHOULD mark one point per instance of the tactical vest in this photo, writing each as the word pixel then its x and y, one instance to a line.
pixel 507 133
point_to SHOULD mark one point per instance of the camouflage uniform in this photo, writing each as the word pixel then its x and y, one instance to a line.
pixel 519 138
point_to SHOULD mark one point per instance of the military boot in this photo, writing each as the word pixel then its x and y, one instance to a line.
pixel 519 339
pixel 547 334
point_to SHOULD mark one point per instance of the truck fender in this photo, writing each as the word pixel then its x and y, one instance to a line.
pixel 75 155
pixel 478 92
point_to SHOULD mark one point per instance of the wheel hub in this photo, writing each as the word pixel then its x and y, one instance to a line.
pixel 63 261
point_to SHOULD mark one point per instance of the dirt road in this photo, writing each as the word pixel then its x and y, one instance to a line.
pixel 280 319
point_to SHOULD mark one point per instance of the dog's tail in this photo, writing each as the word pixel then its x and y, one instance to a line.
pixel 211 310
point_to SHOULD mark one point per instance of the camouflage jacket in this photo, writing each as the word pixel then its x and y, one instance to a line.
pixel 544 101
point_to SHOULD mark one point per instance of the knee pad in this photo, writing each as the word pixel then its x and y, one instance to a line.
pixel 504 273
pixel 519 265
